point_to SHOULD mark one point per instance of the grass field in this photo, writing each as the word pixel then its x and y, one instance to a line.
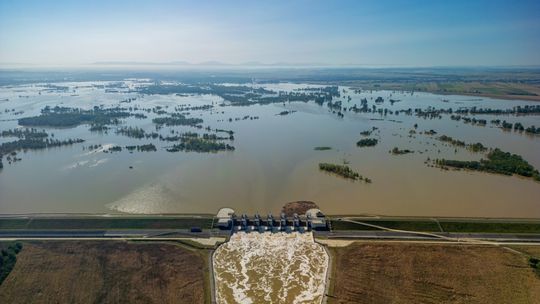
pixel 427 225
pixel 446 225
pixel 105 223
pixel 431 273
pixel 106 272
pixel 403 225
pixel 496 89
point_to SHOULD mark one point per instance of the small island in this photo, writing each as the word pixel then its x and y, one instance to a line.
pixel 497 162
pixel 343 171
pixel 367 142
pixel 476 147
pixel 197 144
pixel 298 207
pixel 322 148
pixel 397 151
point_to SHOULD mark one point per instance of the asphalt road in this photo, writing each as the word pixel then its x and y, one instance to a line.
pixel 121 234
pixel 183 233
pixel 390 235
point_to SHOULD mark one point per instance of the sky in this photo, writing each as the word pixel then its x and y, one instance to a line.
pixel 360 32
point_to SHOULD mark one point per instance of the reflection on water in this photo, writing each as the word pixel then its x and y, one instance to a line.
pixel 270 268
pixel 274 161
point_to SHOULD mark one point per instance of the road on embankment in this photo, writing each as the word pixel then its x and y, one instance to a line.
pixel 179 234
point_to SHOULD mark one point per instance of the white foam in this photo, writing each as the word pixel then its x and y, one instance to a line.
pixel 270 268
pixel 98 150
pixel 154 198
pixel 98 162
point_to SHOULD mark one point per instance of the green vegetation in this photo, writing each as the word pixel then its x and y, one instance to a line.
pixel 504 125
pixel 35 144
pixel 322 148
pixel 343 225
pixel 343 171
pixel 29 139
pixel 416 225
pixel 8 258
pixel 472 226
pixel 498 162
pixel 476 147
pixel 465 85
pixel 132 132
pixel 71 117
pixel 532 130
pixel 244 95
pixel 534 263
pixel 397 151
pixel 24 133
pixel 368 132
pixel 283 113
pixel 113 149
pixel 450 140
pixel 491 226
pixel 106 223
pixel 142 148
pixel 177 120
pixel 98 128
pixel 521 110
pixel 367 142
pixel 196 144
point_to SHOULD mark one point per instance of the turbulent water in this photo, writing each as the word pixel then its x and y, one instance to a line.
pixel 270 268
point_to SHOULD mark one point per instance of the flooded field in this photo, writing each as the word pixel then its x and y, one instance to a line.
pixel 270 267
pixel 274 160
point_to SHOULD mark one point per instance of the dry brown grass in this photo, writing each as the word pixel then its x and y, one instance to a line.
pixel 533 251
pixel 431 273
pixel 299 207
pixel 105 272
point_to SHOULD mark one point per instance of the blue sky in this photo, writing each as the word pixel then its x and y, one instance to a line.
pixel 397 33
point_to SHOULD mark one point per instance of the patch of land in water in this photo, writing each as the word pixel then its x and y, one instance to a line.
pixel 298 207
pixel 106 272
pixel 431 273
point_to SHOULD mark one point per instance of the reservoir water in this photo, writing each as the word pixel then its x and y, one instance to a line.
pixel 274 161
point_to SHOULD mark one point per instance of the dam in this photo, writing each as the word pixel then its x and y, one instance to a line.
pixel 312 219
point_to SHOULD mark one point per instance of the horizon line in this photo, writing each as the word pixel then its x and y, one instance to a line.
pixel 249 64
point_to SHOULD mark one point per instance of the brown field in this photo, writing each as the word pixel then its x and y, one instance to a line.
pixel 105 272
pixel 431 273
pixel 533 251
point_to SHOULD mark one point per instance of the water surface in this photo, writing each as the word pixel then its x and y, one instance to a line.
pixel 274 161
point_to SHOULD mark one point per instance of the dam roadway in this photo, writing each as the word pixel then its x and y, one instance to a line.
pixel 171 227
pixel 161 234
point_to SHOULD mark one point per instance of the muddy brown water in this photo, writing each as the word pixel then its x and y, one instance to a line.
pixel 274 161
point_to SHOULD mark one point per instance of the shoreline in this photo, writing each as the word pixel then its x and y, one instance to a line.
pixel 98 215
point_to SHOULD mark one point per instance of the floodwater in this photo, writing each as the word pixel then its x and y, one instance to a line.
pixel 274 161
pixel 270 268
